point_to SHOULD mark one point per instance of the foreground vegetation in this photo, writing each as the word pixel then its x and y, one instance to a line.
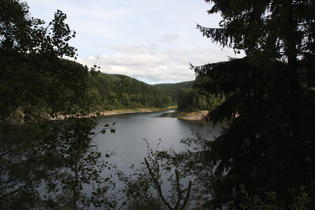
pixel 46 164
pixel 264 158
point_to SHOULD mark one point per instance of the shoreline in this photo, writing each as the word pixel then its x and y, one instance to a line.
pixel 198 115
pixel 137 110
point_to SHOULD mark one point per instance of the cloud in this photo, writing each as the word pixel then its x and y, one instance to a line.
pixel 146 63
pixel 134 49
pixel 123 59
pixel 154 68
pixel 169 37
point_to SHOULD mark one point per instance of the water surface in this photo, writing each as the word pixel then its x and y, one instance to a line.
pixel 129 146
pixel 131 130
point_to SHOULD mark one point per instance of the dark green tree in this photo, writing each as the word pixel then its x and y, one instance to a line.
pixel 270 98
pixel 31 66
pixel 82 174
pixel 45 164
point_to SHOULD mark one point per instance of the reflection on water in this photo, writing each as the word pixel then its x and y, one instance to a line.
pixel 131 129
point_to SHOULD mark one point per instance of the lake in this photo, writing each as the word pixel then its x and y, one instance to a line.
pixel 131 130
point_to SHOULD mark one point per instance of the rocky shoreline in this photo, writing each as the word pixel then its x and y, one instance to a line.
pixel 198 115
pixel 130 111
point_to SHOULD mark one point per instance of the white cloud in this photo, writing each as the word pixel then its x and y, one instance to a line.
pixel 171 65
pixel 151 49
pixel 169 37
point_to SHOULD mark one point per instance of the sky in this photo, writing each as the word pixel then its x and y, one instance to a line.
pixel 152 41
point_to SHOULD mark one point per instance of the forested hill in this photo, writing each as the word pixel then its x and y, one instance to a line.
pixel 175 86
pixel 174 89
pixel 121 92
pixel 110 91
pixel 189 99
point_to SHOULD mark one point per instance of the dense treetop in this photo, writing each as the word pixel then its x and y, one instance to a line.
pixel 33 73
pixel 119 92
pixel 270 100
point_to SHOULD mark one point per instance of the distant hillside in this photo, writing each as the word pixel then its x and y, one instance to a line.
pixel 189 99
pixel 174 89
pixel 175 86
pixel 123 92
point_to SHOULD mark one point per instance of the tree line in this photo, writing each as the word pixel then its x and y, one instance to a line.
pixel 121 92
pixel 191 99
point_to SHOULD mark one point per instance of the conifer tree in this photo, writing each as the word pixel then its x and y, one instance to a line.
pixel 270 98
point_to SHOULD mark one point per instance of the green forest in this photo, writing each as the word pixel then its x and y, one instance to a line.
pixel 110 92
pixel 264 157
pixel 121 92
